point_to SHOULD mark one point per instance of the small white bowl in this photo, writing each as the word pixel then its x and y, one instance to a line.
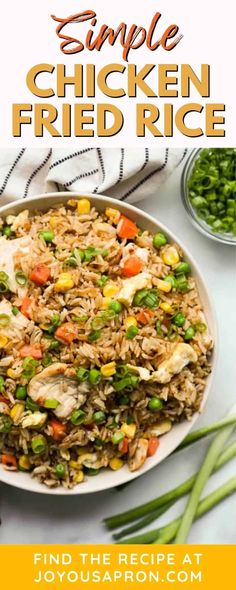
pixel 107 478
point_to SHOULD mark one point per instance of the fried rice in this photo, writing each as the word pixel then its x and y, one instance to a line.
pixel 103 342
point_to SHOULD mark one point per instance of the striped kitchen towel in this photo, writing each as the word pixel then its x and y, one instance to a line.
pixel 129 174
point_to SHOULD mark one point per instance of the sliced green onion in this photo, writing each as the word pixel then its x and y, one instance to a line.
pixel 99 417
pixel 60 470
pixel 82 374
pixel 47 360
pixel 102 280
pixel 21 278
pixel 95 335
pixel 98 322
pixel 51 404
pixel 6 424
pixel 79 318
pixel 47 235
pixel 29 365
pixel 4 320
pixel 15 310
pixel 94 376
pixel 38 444
pixel 91 471
pixel 139 296
pixel 4 276
pixel 131 332
pixel 3 287
pixel 151 299
pixel 2 382
pixel 117 437
pixel 183 267
pixel 31 406
pixel 200 327
pixel 77 417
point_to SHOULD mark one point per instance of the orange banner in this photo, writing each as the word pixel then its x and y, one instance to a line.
pixel 207 567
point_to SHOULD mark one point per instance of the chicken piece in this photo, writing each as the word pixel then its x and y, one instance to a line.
pixel 57 382
pixel 90 460
pixel 35 420
pixel 17 323
pixel 130 286
pixel 8 250
pixel 140 455
pixel 182 355
pixel 143 373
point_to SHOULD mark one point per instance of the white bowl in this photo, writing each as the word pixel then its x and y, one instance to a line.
pixel 107 478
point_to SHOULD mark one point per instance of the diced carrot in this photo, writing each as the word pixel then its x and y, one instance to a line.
pixel 153 445
pixel 25 307
pixel 131 266
pixel 66 333
pixel 33 350
pixel 40 274
pixel 126 228
pixel 124 446
pixel 9 461
pixel 4 400
pixel 58 429
pixel 144 316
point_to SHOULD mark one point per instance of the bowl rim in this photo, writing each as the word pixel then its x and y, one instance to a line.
pixel 199 224
pixel 5 476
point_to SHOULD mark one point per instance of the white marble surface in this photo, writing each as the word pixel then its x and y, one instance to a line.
pixel 31 518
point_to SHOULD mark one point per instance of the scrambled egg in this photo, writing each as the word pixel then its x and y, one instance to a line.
pixel 182 355
pixel 130 286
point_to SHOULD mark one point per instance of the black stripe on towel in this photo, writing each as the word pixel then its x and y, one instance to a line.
pixel 84 175
pixel 101 161
pixel 146 178
pixel 69 157
pixel 146 159
pixel 11 170
pixel 35 172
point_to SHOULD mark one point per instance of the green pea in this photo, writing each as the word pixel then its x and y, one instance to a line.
pixel 183 267
pixel 39 444
pixel 182 283
pixel 15 310
pixel 79 254
pixel 159 239
pixel 7 231
pixel 178 319
pixel 90 471
pixel 5 424
pixel 200 327
pixel 47 235
pixel 60 470
pixel 155 404
pixel 21 392
pixel 131 332
pixel 77 417
pixel 82 374
pixel 189 333
pixel 95 335
pixel 94 376
pixel 54 345
pixel 117 437
pixel 116 306
pixel 102 280
pixel 99 417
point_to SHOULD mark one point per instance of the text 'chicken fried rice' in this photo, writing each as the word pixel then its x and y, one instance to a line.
pixel 103 342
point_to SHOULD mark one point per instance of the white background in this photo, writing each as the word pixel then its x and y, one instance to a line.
pixel 31 518
pixel 28 37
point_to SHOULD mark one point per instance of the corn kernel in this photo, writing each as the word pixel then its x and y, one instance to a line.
pixel 3 341
pixel 163 285
pixel 105 302
pixel 109 369
pixel 78 477
pixel 64 283
pixel 110 290
pixel 53 221
pixel 170 256
pixel 11 374
pixel 166 307
pixel 112 214
pixel 74 464
pixel 72 202
pixel 16 412
pixel 83 206
pixel 116 464
pixel 24 463
pixel 130 321
pixel 129 430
